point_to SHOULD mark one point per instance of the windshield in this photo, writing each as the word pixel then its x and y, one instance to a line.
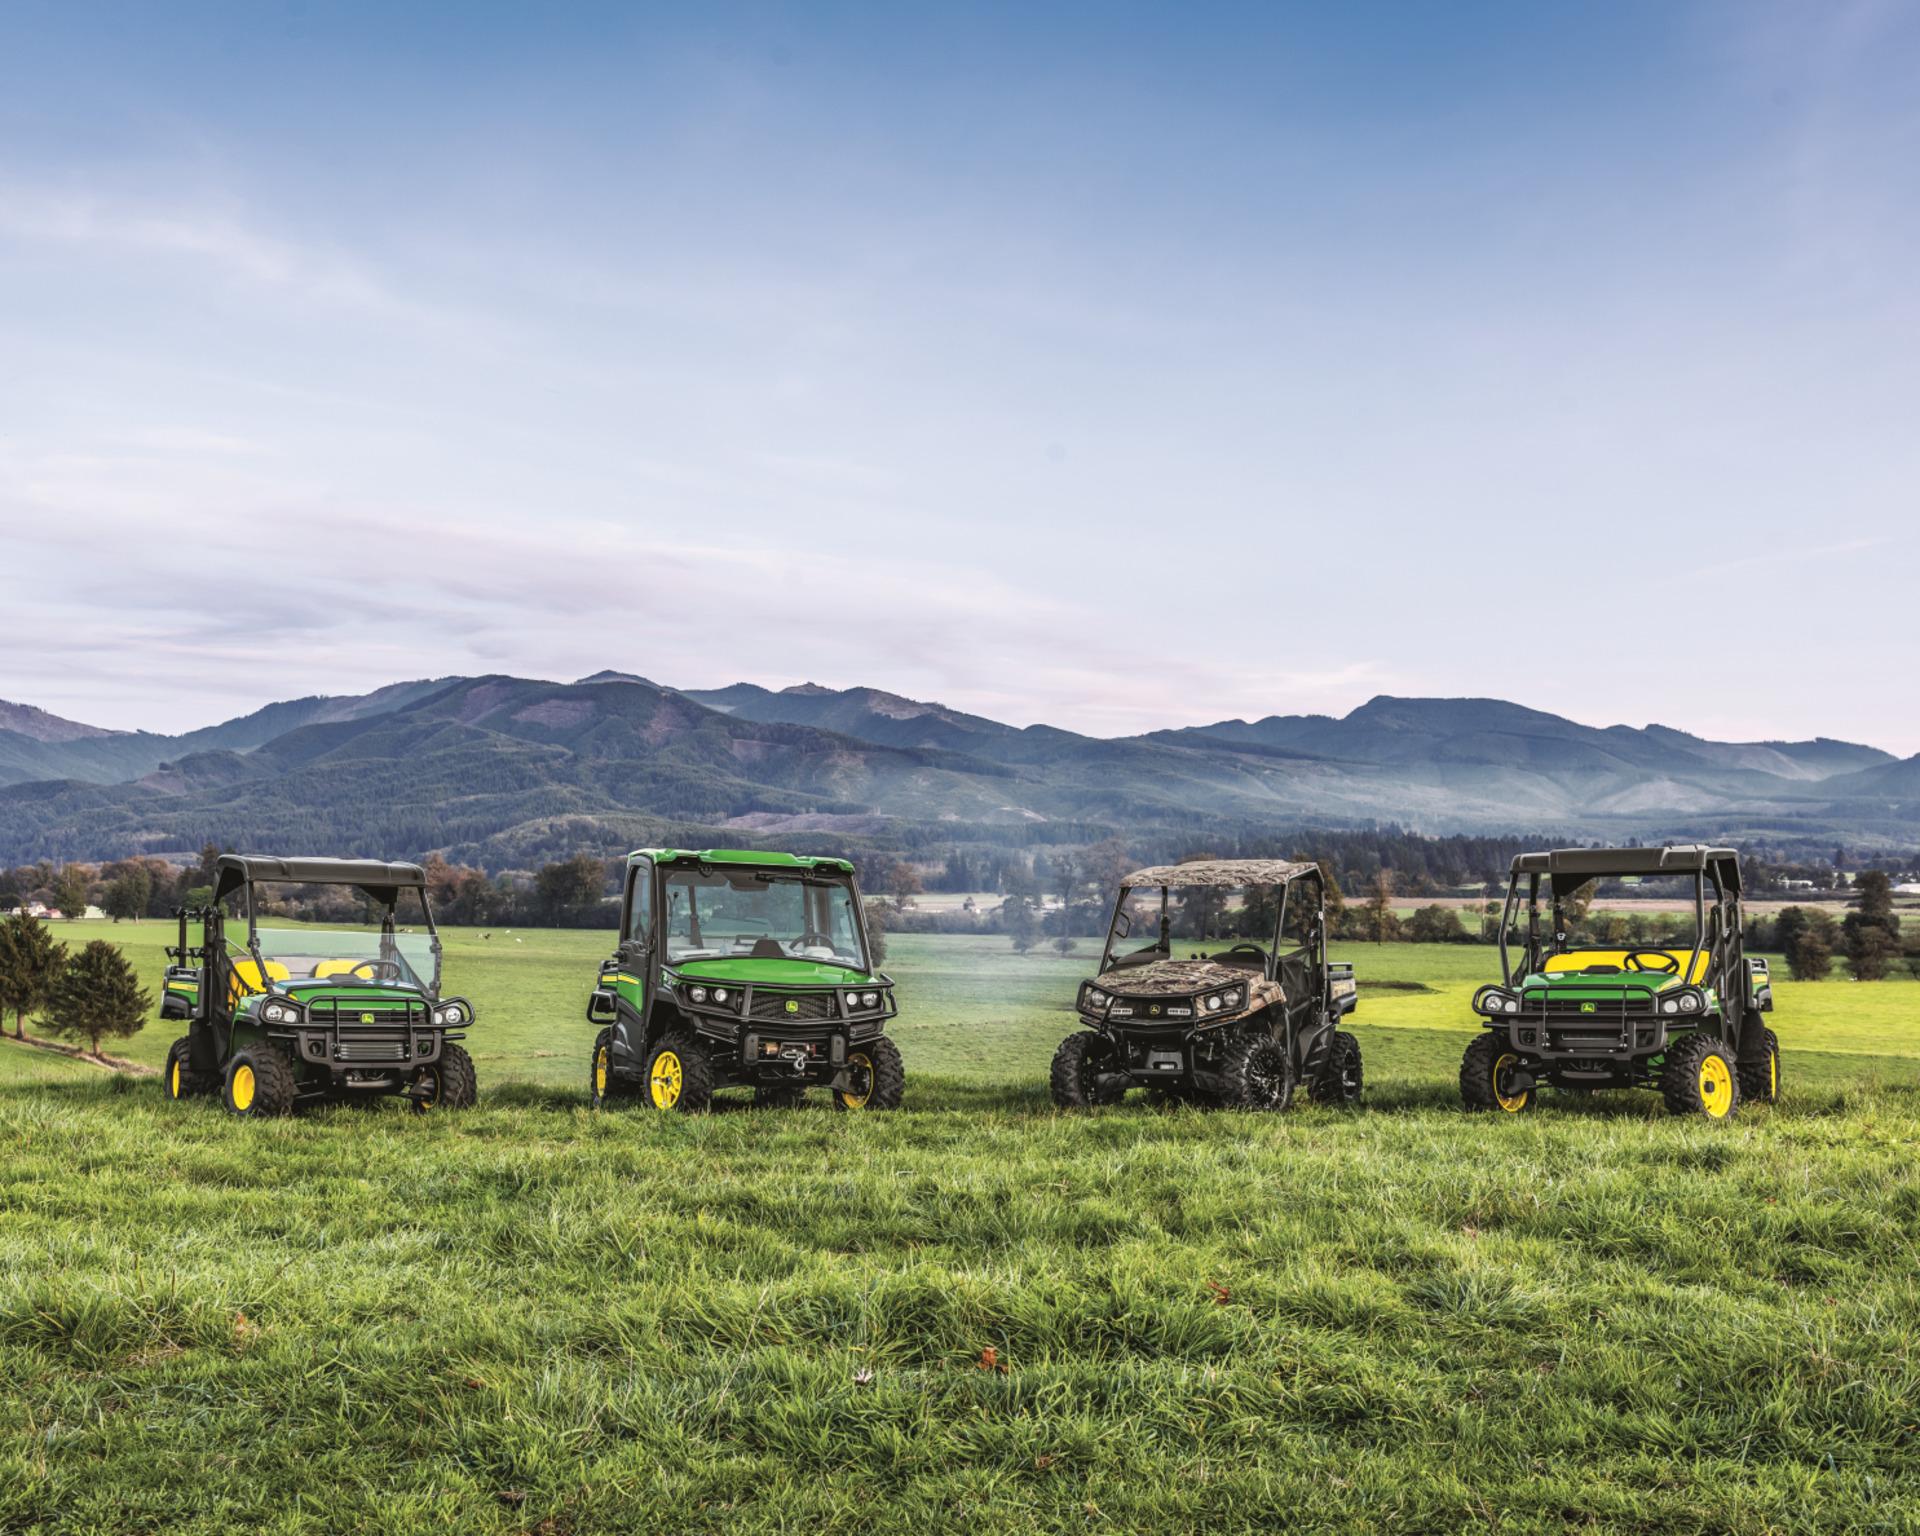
pixel 728 914
pixel 1606 919
pixel 341 936
pixel 350 957
pixel 1233 923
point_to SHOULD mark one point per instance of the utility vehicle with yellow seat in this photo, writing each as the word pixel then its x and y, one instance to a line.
pixel 293 1014
pixel 1583 1004
pixel 742 969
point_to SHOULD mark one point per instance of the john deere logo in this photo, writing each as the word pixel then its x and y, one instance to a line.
pixel 1155 1010
pixel 366 1018
pixel 792 1006
pixel 1589 1007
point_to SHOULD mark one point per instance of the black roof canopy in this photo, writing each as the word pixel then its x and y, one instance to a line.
pixel 382 881
pixel 1571 868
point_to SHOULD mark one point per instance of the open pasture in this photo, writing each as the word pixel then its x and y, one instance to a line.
pixel 976 1314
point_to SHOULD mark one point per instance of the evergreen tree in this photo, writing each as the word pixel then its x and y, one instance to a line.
pixel 1872 931
pixel 31 959
pixel 96 995
pixel 1811 956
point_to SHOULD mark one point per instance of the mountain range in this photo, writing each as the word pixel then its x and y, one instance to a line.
pixel 506 772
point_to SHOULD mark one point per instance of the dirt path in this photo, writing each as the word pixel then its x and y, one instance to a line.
pixel 104 1062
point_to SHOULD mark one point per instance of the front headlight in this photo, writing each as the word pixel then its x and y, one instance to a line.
pixel 697 994
pixel 1096 998
pixel 1493 1000
pixel 453 1013
pixel 870 999
pixel 1213 1003
pixel 1689 1002
pixel 279 1013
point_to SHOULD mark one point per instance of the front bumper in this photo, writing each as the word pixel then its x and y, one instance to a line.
pixel 1553 1033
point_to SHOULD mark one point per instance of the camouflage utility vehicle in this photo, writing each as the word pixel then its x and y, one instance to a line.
pixel 738 969
pixel 1215 986
pixel 1581 1005
pixel 283 1014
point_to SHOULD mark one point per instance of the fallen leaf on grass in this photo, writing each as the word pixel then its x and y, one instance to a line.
pixel 863 1377
pixel 1221 1295
pixel 990 1361
pixel 245 1331
pixel 474 1383
pixel 510 1496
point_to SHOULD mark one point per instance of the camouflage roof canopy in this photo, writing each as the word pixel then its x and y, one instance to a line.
pixel 1221 872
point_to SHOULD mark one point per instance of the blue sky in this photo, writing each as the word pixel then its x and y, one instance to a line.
pixel 1117 366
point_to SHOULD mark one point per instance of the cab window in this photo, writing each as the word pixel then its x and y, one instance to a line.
pixel 639 904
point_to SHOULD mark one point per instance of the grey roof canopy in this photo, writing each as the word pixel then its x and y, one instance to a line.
pixel 1571 868
pixel 379 879
pixel 1220 872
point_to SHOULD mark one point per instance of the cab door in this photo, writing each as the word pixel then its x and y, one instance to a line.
pixel 634 953
pixel 1301 965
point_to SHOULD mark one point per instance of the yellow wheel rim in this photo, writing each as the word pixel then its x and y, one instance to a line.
pixel 600 1073
pixel 173 1080
pixel 859 1063
pixel 432 1080
pixel 1512 1103
pixel 243 1087
pixel 1773 1076
pixel 666 1080
pixel 1716 1087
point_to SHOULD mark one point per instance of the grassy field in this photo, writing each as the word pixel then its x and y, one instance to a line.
pixel 974 1315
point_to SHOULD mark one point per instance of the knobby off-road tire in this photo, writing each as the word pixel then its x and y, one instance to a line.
pixel 454 1083
pixel 1760 1080
pixel 1255 1072
pixel 259 1082
pixel 885 1073
pixel 1701 1078
pixel 1083 1072
pixel 1485 1081
pixel 178 1080
pixel 604 1086
pixel 1340 1080
pixel 679 1074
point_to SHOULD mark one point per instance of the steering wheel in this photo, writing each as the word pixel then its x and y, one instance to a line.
pixel 814 939
pixel 1252 951
pixel 381 970
pixel 1667 966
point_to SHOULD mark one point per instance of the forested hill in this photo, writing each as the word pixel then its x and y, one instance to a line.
pixel 506 772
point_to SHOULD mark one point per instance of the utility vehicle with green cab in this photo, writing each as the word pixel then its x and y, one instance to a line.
pixel 282 1015
pixel 1580 1005
pixel 1214 986
pixel 738 969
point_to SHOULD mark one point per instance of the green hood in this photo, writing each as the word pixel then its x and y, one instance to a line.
pixel 773 973
pixel 1631 988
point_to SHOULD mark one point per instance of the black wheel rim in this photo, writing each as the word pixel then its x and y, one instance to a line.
pixel 1266 1076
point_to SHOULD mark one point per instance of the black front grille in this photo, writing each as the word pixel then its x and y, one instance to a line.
pixel 793 1007
pixel 369 1015
pixel 372 1048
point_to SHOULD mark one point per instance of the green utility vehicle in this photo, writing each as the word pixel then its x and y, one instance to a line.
pixel 1215 986
pixel 295 1014
pixel 1581 1004
pixel 739 969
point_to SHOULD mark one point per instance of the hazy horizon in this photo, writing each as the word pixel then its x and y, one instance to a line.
pixel 1117 367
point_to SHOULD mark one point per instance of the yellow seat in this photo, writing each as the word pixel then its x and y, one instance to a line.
pixel 246 977
pixel 1561 964
pixel 328 968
